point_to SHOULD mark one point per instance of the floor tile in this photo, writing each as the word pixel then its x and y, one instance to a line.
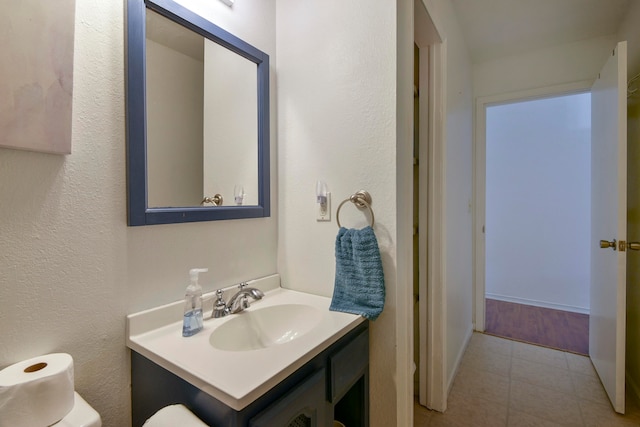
pixel 495 363
pixel 596 415
pixel 463 410
pixel 589 388
pixel 520 419
pixel 538 354
pixel 545 403
pixel 508 383
pixel 489 386
pixel 421 415
pixel 580 364
pixel 488 344
pixel 542 375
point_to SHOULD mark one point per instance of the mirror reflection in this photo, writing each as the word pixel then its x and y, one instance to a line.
pixel 202 119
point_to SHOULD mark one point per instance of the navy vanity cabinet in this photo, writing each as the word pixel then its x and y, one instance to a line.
pixel 305 405
pixel 334 385
pixel 349 382
pixel 339 392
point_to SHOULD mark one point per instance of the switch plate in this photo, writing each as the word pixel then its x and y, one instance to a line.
pixel 324 215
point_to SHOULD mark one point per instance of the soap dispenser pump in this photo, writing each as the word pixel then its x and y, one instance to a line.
pixel 192 322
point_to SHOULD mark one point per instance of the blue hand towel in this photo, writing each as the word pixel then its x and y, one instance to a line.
pixel 359 284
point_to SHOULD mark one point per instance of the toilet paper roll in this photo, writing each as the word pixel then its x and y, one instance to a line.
pixel 174 415
pixel 36 392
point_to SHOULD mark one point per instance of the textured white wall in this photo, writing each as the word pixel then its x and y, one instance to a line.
pixel 337 122
pixel 556 65
pixel 174 129
pixel 70 268
pixel 458 115
pixel 230 150
pixel 538 191
pixel 458 260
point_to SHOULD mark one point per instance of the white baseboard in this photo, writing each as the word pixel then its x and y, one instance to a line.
pixel 463 348
pixel 543 304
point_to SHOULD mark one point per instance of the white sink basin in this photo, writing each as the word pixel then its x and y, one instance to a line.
pixel 238 358
pixel 265 327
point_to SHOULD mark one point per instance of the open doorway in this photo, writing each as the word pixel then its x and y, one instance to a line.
pixel 537 267
pixel 607 323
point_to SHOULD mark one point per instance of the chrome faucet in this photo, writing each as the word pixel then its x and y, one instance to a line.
pixel 240 300
pixel 237 302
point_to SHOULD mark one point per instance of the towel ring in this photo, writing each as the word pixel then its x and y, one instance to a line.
pixel 362 199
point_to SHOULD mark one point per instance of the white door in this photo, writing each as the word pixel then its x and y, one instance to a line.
pixel 609 225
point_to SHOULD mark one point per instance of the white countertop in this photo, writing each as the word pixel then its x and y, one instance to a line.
pixel 236 378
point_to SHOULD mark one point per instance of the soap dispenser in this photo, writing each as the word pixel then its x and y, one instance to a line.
pixel 192 322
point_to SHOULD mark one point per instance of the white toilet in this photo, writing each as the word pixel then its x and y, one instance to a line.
pixel 38 391
pixel 81 415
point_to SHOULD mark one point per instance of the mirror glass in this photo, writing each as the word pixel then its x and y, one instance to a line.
pixel 189 158
pixel 200 151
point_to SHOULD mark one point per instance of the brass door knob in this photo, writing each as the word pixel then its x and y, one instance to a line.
pixel 608 244
pixel 634 246
pixel 215 200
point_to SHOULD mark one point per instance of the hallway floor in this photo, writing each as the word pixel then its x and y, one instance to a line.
pixel 562 330
pixel 508 383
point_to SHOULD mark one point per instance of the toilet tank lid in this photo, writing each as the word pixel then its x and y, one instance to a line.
pixel 82 415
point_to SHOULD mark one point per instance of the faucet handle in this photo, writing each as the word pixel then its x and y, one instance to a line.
pixel 220 308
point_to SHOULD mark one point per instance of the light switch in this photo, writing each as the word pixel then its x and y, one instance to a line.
pixel 324 209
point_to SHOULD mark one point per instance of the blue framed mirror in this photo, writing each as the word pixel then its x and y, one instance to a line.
pixel 197 119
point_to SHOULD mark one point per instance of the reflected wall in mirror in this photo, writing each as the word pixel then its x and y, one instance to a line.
pixel 198 118
pixel 190 78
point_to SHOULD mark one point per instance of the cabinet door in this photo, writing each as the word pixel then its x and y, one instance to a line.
pixel 348 365
pixel 303 406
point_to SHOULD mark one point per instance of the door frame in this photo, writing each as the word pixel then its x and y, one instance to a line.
pixel 479 176
pixel 432 304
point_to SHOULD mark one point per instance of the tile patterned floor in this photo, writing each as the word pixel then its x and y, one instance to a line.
pixel 508 383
